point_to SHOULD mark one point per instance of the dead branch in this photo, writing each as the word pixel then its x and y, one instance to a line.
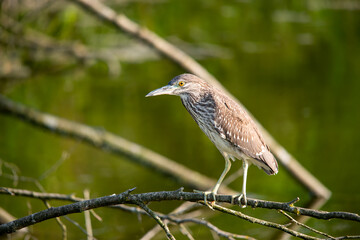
pixel 115 144
pixel 7 217
pixel 121 22
pixel 195 197
pixel 26 38
pixel 305 226
pixel 139 200
pixel 63 210
pixel 156 217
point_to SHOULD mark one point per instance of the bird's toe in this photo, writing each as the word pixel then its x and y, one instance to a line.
pixel 211 203
pixel 241 200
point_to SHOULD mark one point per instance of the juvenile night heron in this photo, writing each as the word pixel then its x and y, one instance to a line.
pixel 226 124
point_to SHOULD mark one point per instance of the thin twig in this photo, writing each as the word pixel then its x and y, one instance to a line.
pixel 188 218
pixel 348 237
pixel 151 233
pixel 76 224
pixel 263 222
pixel 208 225
pixel 305 226
pixel 13 168
pixel 58 220
pixel 65 155
pixel 87 217
pixel 157 219
pixel 182 209
pixel 186 232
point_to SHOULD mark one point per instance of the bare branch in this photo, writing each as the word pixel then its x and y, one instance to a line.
pixel 115 144
pixel 121 22
pixel 77 225
pixel 207 224
pixel 13 168
pixel 139 199
pixel 157 219
pixel 7 217
pixel 64 210
pixel 89 231
pixel 195 197
pixel 65 155
pixel 58 220
pixel 186 232
pixel 262 222
pixel 305 226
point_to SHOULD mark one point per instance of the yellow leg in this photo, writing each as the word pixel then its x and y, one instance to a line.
pixel 216 187
pixel 223 174
pixel 243 191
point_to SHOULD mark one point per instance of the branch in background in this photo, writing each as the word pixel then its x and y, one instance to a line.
pixel 121 22
pixel 89 231
pixel 15 35
pixel 60 223
pixel 7 217
pixel 139 200
pixel 115 144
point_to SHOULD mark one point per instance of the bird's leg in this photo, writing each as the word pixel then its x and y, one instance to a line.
pixel 243 191
pixel 223 174
pixel 216 188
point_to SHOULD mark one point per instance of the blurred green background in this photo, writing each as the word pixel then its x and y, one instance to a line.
pixel 294 64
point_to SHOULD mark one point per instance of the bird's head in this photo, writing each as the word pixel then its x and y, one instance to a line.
pixel 182 85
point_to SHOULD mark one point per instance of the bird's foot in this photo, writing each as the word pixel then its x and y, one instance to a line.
pixel 239 198
pixel 211 204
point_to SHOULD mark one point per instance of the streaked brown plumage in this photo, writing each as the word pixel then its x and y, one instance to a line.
pixel 226 124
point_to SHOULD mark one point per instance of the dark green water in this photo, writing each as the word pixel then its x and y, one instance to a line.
pixel 295 65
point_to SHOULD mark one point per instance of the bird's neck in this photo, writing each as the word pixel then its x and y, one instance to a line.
pixel 194 97
pixel 199 105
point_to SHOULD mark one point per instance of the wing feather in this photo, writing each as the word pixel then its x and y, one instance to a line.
pixel 235 125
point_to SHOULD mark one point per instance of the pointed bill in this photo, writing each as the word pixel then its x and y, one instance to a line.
pixel 165 90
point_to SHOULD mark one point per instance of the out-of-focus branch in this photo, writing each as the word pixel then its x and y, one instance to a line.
pixel 110 142
pixel 58 220
pixel 7 217
pixel 121 22
pixel 133 52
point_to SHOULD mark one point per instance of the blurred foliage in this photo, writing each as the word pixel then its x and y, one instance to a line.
pixel 294 64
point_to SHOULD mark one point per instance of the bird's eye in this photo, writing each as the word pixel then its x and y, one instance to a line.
pixel 181 83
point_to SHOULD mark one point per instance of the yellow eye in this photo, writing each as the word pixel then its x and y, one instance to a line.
pixel 181 83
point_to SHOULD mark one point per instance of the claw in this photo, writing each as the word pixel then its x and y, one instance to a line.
pixel 211 204
pixel 239 197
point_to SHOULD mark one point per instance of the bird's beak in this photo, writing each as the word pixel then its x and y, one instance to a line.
pixel 165 90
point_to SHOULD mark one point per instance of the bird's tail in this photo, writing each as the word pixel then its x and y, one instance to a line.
pixel 269 165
